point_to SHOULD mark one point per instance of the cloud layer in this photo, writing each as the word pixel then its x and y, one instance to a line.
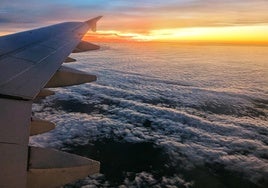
pixel 200 110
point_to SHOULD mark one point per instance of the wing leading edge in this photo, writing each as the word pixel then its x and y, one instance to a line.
pixel 28 63
pixel 29 59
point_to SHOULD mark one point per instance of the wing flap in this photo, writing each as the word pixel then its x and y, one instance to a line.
pixel 39 126
pixel 51 168
pixel 84 46
pixel 44 93
pixel 69 60
pixel 66 76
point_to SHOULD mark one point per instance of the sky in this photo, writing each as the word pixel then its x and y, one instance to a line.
pixel 241 21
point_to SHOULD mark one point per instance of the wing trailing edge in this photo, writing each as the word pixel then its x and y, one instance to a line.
pixel 84 46
pixel 39 126
pixel 52 168
pixel 29 61
pixel 66 76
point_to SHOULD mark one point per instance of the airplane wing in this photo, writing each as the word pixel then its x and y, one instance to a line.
pixel 29 62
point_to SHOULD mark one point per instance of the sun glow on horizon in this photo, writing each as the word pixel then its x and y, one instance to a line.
pixel 217 34
pixel 235 34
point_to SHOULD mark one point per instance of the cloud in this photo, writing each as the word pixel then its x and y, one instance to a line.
pixel 194 125
pixel 135 16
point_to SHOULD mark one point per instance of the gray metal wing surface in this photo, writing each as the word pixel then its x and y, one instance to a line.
pixel 28 60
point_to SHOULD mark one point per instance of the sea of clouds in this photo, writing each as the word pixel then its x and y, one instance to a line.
pixel 196 124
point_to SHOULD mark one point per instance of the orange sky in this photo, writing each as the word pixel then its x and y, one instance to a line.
pixel 250 34
pixel 208 21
